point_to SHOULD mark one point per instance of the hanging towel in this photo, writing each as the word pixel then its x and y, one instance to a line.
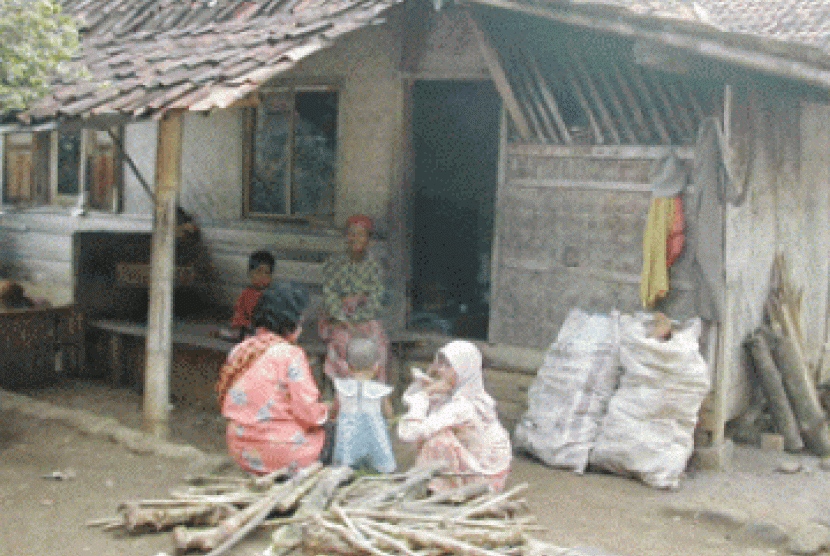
pixel 663 241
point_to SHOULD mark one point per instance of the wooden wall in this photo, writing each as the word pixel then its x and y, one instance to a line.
pixel 569 235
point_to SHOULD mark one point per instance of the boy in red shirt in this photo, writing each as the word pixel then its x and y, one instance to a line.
pixel 260 271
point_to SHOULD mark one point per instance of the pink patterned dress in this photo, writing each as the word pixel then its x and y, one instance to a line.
pixel 273 410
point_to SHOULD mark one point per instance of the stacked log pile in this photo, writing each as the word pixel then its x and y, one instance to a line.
pixel 776 352
pixel 327 510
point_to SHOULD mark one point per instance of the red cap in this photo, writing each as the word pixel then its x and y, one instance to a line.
pixel 361 220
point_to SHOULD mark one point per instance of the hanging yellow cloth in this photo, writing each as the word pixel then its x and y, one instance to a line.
pixel 654 281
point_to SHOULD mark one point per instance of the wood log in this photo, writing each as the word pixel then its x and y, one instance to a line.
pixel 773 386
pixel 395 516
pixel 318 540
pixel 457 495
pixel 233 529
pixel 266 481
pixel 485 506
pixel 367 528
pixel 801 393
pixel 417 477
pixel 158 519
pixel 358 541
pixel 291 535
pixel 427 538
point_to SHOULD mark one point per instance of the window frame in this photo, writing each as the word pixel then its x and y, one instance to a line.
pixel 44 174
pixel 291 89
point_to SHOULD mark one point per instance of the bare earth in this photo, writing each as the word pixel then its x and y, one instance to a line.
pixel 750 510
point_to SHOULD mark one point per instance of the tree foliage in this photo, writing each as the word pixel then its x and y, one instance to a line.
pixel 36 41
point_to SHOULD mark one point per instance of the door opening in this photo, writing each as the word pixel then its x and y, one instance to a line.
pixel 455 126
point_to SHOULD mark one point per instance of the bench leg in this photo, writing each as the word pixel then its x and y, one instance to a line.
pixel 116 359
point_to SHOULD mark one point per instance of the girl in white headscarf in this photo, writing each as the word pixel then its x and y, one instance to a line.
pixel 452 419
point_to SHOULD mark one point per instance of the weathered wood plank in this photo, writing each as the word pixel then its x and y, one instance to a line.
pixel 614 152
pixel 500 80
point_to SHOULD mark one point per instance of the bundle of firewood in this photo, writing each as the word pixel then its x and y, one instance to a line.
pixel 327 510
pixel 776 353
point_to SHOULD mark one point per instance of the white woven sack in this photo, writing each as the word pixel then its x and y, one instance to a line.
pixel 569 395
pixel 648 429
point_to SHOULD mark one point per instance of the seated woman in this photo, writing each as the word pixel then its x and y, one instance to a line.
pixel 352 298
pixel 267 392
pixel 452 419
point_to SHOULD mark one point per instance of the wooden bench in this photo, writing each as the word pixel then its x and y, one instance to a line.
pixel 200 335
pixel 39 344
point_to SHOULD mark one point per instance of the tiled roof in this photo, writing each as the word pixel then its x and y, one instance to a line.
pixel 148 57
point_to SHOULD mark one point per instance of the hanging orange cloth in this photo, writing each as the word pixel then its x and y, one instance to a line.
pixel 663 241
pixel 677 234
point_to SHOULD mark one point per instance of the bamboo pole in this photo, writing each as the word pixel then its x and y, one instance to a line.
pixel 537 102
pixel 776 394
pixel 680 105
pixel 633 105
pixel 500 80
pixel 583 102
pixel 550 100
pixel 162 276
pixel 657 87
pixel 649 102
pixel 615 102
pixel 803 397
pixel 599 102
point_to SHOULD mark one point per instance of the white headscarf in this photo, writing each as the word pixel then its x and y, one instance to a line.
pixel 465 359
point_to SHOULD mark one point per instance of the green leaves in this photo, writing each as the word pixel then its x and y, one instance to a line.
pixel 36 42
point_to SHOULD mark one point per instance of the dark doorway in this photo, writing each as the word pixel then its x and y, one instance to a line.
pixel 456 150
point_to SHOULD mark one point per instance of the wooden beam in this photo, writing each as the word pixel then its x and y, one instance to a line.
pixel 598 100
pixel 686 113
pixel 649 102
pixel 618 106
pixel 633 104
pixel 534 90
pixel 657 86
pixel 415 28
pixel 159 319
pixel 550 100
pixel 586 106
pixel 497 73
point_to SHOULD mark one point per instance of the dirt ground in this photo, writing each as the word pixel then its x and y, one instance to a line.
pixel 753 509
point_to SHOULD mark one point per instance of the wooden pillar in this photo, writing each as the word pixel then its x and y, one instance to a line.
pixel 162 276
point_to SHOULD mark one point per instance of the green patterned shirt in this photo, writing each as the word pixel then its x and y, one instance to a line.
pixel 345 279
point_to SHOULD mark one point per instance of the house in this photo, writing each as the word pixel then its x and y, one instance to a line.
pixel 506 149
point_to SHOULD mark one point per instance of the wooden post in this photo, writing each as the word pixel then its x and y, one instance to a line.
pixel 162 276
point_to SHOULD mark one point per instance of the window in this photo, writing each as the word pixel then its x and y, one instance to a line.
pixel 25 168
pixel 290 166
pixel 46 168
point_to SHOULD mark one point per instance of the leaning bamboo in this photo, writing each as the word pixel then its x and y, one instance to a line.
pixel 776 394
pixel 802 395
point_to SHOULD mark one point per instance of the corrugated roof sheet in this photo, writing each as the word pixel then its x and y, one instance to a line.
pixel 801 22
pixel 148 57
